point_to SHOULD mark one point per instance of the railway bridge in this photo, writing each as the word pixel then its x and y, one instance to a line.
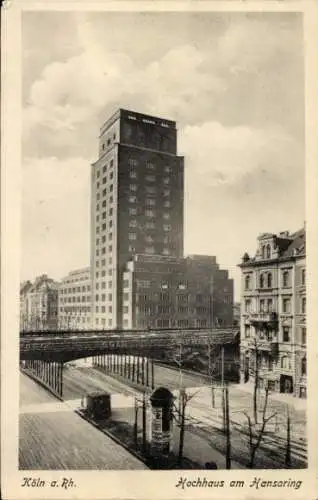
pixel 128 354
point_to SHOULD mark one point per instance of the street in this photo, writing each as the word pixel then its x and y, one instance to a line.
pixel 57 438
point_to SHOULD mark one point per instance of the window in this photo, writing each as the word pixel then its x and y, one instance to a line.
pixel 268 251
pixel 303 305
pixel 247 306
pixel 286 305
pixel 149 213
pixel 132 211
pixel 262 305
pixel 166 239
pixel 110 212
pixel 269 280
pixel 285 362
pixel 132 174
pixel 133 187
pixel 97 174
pixel 166 180
pixel 166 227
pixel 263 252
pixel 110 297
pixel 166 251
pixel 247 331
pixel 110 248
pixel 167 169
pixel 132 236
pixel 166 216
pixel 104 204
pixel 150 166
pixel 285 278
pixel 167 204
pixel 303 336
pixel 132 199
pixel 104 169
pixel 132 162
pixel 143 283
pixel 303 276
pixel 111 175
pixel 150 202
pixel 126 283
pixel 247 282
pixel 261 281
pixel 286 337
pixel 150 225
pixel 104 180
pixel 166 192
pixel 133 223
pixel 304 366
pixel 270 305
pixel 150 190
pixel 111 163
pixel 149 239
pixel 131 248
pixel 126 296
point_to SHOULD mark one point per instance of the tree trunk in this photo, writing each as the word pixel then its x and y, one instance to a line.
pixel 255 386
pixel 228 431
pixel 182 423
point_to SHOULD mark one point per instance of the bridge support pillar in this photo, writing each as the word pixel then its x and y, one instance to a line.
pixel 152 374
pixel 147 372
pixel 138 369
pixel 143 370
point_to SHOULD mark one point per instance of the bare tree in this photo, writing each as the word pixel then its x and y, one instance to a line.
pixel 179 415
pixel 256 436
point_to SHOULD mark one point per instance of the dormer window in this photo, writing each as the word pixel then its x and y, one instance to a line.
pixel 247 282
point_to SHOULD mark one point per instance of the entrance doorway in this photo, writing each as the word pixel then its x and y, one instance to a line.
pixel 286 384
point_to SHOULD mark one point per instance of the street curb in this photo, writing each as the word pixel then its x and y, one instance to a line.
pixel 41 382
pixel 111 436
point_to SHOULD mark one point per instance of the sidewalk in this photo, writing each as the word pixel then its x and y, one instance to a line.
pixel 289 399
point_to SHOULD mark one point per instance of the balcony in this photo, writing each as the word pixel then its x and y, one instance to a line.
pixel 264 317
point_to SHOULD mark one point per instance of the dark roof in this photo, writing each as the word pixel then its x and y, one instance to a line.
pixel 297 245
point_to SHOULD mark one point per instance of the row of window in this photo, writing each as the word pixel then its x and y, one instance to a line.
pixel 266 279
pixel 286 334
pixel 78 289
pixel 68 300
pixel 102 322
pixel 102 309
pixel 75 309
pixel 267 305
pixel 133 162
pixel 103 297
pixel 104 179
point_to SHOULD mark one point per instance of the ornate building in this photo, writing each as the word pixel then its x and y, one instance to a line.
pixel 273 314
pixel 38 304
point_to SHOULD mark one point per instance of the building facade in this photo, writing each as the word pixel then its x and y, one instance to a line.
pixel 40 305
pixel 176 292
pixel 136 204
pixel 74 306
pixel 24 304
pixel 273 314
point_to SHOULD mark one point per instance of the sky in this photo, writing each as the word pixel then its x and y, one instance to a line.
pixel 233 82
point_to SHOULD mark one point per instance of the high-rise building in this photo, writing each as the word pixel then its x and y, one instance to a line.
pixel 273 313
pixel 136 204
pixel 75 300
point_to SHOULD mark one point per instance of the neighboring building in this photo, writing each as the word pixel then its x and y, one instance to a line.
pixel 236 313
pixel 273 316
pixel 40 304
pixel 136 204
pixel 176 292
pixel 75 300
pixel 24 304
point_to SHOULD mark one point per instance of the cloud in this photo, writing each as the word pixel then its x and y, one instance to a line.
pixel 225 155
pixel 55 215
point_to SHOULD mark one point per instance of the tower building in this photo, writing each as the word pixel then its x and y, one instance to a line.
pixel 136 204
